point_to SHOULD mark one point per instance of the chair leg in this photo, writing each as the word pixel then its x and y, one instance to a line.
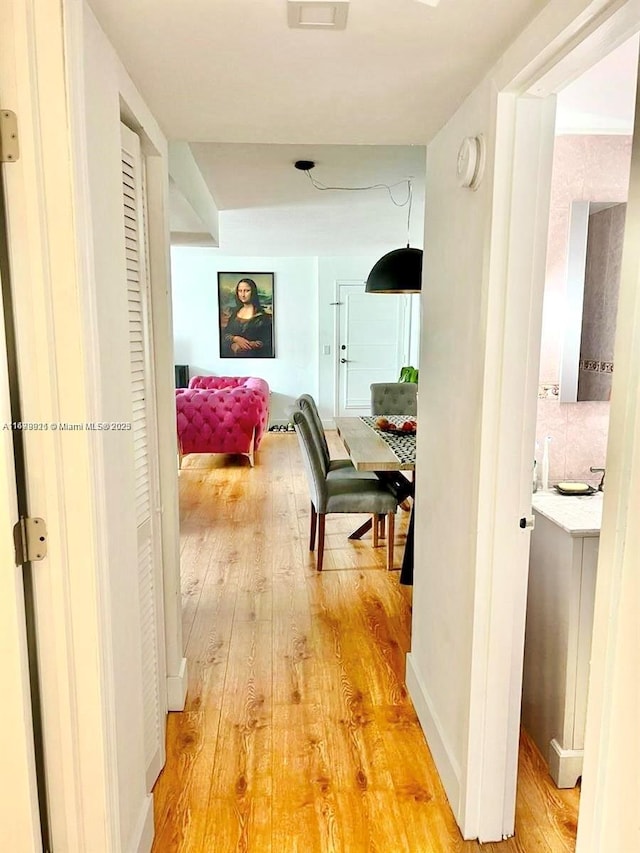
pixel 381 520
pixel 321 520
pixel 252 449
pixel 312 529
pixel 375 529
pixel 390 540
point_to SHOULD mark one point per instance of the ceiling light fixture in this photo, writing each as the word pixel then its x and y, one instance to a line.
pixel 399 271
pixel 317 14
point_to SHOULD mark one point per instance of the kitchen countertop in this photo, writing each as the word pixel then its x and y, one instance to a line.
pixel 579 515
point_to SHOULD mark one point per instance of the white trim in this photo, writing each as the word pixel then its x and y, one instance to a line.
pixel 525 64
pixel 448 768
pixel 159 267
pixel 565 765
pixel 603 33
pixel 336 337
pixel 177 688
pixel 143 835
pixel 74 53
pixel 611 784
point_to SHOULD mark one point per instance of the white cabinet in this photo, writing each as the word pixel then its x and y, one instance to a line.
pixel 562 577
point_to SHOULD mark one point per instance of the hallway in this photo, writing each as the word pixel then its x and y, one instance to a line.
pixel 298 734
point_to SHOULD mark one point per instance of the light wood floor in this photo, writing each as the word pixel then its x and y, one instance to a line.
pixel 298 734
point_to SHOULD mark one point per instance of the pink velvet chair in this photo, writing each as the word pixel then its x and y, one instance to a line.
pixel 222 414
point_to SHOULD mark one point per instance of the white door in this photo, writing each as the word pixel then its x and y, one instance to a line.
pixel 146 464
pixel 372 344
pixel 19 820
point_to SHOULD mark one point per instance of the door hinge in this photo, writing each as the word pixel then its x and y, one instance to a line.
pixel 30 538
pixel 9 149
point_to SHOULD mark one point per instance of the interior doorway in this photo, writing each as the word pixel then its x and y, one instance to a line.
pixel 589 192
pixel 596 655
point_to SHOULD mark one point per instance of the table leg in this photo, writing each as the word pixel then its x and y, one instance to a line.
pixel 404 489
pixel 406 572
pixel 364 528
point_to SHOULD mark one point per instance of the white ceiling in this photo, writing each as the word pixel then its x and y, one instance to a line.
pixel 602 100
pixel 267 207
pixel 252 96
pixel 232 70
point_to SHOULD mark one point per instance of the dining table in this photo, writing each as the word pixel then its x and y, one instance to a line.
pixel 385 452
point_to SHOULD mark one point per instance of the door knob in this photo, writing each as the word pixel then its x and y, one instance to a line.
pixel 344 360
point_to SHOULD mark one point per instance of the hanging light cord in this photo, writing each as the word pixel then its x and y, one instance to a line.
pixel 388 187
pixel 409 202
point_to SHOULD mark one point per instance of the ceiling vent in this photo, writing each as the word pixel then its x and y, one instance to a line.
pixel 318 14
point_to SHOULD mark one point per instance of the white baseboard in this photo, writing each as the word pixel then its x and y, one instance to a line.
pixel 448 768
pixel 565 765
pixel 143 838
pixel 177 688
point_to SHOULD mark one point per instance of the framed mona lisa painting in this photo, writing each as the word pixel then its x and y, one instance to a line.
pixel 245 305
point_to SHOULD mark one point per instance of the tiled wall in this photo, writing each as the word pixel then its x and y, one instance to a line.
pixel 578 439
pixel 587 168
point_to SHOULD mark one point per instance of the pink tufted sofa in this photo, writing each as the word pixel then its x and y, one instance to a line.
pixel 222 414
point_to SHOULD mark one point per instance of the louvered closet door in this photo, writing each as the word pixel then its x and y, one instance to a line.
pixel 144 420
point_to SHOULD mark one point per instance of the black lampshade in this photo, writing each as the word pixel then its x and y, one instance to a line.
pixel 399 271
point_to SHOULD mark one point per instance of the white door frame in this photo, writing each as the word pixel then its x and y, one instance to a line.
pixel 53 337
pixel 41 68
pixel 611 783
pixel 19 812
pixel 585 37
pixel 524 154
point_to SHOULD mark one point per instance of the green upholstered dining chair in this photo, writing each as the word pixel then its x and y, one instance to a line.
pixel 335 467
pixel 394 398
pixel 351 494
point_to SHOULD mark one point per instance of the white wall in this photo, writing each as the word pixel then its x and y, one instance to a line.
pixel 294 370
pixel 304 321
pixel 448 460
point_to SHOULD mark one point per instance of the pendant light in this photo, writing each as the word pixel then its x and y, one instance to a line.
pixel 399 271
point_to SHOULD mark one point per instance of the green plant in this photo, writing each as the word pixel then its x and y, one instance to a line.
pixel 409 374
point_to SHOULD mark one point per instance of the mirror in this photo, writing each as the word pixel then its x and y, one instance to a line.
pixel 596 235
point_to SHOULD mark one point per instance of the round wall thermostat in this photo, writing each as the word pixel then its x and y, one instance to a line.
pixel 471 162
